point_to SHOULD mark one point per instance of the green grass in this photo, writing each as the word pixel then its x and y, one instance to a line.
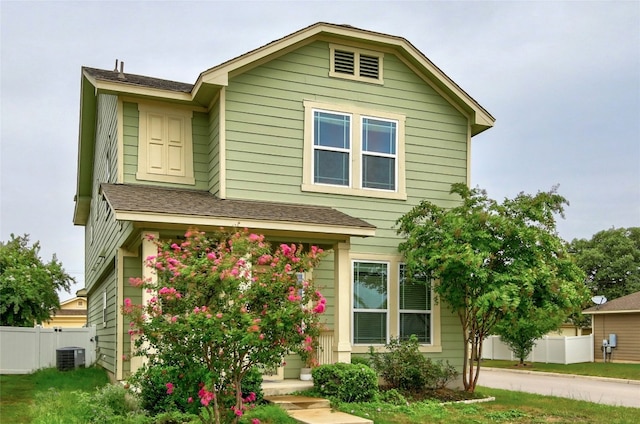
pixel 18 392
pixel 509 407
pixel 595 369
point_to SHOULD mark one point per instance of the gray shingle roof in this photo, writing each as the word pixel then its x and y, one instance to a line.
pixel 630 302
pixel 138 198
pixel 139 80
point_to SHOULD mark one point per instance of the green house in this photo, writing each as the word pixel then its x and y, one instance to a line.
pixel 325 136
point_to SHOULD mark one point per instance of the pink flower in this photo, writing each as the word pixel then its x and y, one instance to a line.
pixel 127 302
pixel 174 318
pixel 169 388
pixel 255 421
pixel 190 400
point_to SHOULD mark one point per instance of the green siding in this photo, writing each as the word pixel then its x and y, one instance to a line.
pixel 132 268
pixel 264 150
pixel 106 334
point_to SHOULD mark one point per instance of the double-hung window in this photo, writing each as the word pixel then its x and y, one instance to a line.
pixel 331 148
pixel 415 308
pixel 379 162
pixel 370 302
pixel 354 151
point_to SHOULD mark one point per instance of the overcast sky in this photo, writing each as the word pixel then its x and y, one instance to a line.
pixel 562 80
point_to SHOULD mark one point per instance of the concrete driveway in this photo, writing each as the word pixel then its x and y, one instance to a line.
pixel 592 389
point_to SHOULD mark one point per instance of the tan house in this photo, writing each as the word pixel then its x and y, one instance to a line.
pixel 621 318
pixel 72 314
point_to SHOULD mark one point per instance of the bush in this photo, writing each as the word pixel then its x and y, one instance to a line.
pixel 252 383
pixel 346 382
pixel 405 368
pixel 393 396
pixel 360 360
pixel 152 379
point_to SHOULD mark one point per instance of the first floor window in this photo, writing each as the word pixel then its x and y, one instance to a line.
pixel 370 302
pixel 415 307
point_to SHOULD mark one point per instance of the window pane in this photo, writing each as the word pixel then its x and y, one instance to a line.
pixel 415 295
pixel 369 327
pixel 417 324
pixel 378 172
pixel 332 130
pixel 369 285
pixel 331 167
pixel 378 136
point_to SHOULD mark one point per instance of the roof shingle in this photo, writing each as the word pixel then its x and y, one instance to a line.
pixel 630 302
pixel 138 198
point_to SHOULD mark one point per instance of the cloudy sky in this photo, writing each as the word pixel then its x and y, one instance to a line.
pixel 561 78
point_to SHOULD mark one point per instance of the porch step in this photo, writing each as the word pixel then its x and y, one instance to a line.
pixel 310 410
pixel 290 402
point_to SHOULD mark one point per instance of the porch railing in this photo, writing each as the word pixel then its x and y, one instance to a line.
pixel 325 348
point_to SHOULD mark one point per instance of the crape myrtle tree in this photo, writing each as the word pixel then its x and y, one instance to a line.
pixel 28 286
pixel 491 261
pixel 226 303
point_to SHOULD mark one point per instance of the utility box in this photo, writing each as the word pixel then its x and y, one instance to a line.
pixel 70 358
pixel 613 340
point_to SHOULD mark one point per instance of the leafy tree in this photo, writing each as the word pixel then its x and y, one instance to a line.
pixel 226 304
pixel 488 259
pixel 28 286
pixel 611 261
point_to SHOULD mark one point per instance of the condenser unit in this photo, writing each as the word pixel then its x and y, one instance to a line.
pixel 69 358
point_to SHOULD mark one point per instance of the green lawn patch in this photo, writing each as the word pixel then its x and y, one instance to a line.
pixel 18 391
pixel 595 369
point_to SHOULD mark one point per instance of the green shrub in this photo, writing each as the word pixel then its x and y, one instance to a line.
pixel 360 360
pixel 393 396
pixel 346 382
pixel 405 367
pixel 151 382
pixel 252 383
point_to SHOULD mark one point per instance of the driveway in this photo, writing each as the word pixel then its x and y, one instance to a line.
pixel 592 389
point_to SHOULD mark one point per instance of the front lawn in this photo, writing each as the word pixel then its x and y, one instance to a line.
pixel 595 369
pixel 61 396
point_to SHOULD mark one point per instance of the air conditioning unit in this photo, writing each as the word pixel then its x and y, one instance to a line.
pixel 69 358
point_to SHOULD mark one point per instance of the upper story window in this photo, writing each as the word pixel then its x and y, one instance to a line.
pixel 356 64
pixel 165 147
pixel 355 151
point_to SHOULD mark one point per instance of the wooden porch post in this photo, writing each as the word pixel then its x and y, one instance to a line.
pixel 342 319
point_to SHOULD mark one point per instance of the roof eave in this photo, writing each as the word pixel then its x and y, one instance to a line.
pixel 87 122
pixel 257 224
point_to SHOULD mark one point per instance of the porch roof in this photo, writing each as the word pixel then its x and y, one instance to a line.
pixel 132 202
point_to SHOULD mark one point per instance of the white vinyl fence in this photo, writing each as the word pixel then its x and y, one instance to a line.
pixel 549 349
pixel 24 350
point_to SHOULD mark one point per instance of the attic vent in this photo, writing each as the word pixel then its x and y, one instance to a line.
pixel 369 66
pixel 356 64
pixel 344 62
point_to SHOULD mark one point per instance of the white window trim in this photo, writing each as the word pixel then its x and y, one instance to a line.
pixel 386 311
pixel 416 311
pixel 186 116
pixel 355 188
pixel 356 59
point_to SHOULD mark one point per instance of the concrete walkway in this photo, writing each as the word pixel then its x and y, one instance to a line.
pixel 309 410
pixel 609 391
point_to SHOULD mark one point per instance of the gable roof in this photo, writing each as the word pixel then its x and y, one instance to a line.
pixel 132 202
pixel 624 304
pixel 204 88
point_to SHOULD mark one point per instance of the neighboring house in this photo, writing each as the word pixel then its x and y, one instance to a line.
pixel 72 313
pixel 326 136
pixel 621 317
